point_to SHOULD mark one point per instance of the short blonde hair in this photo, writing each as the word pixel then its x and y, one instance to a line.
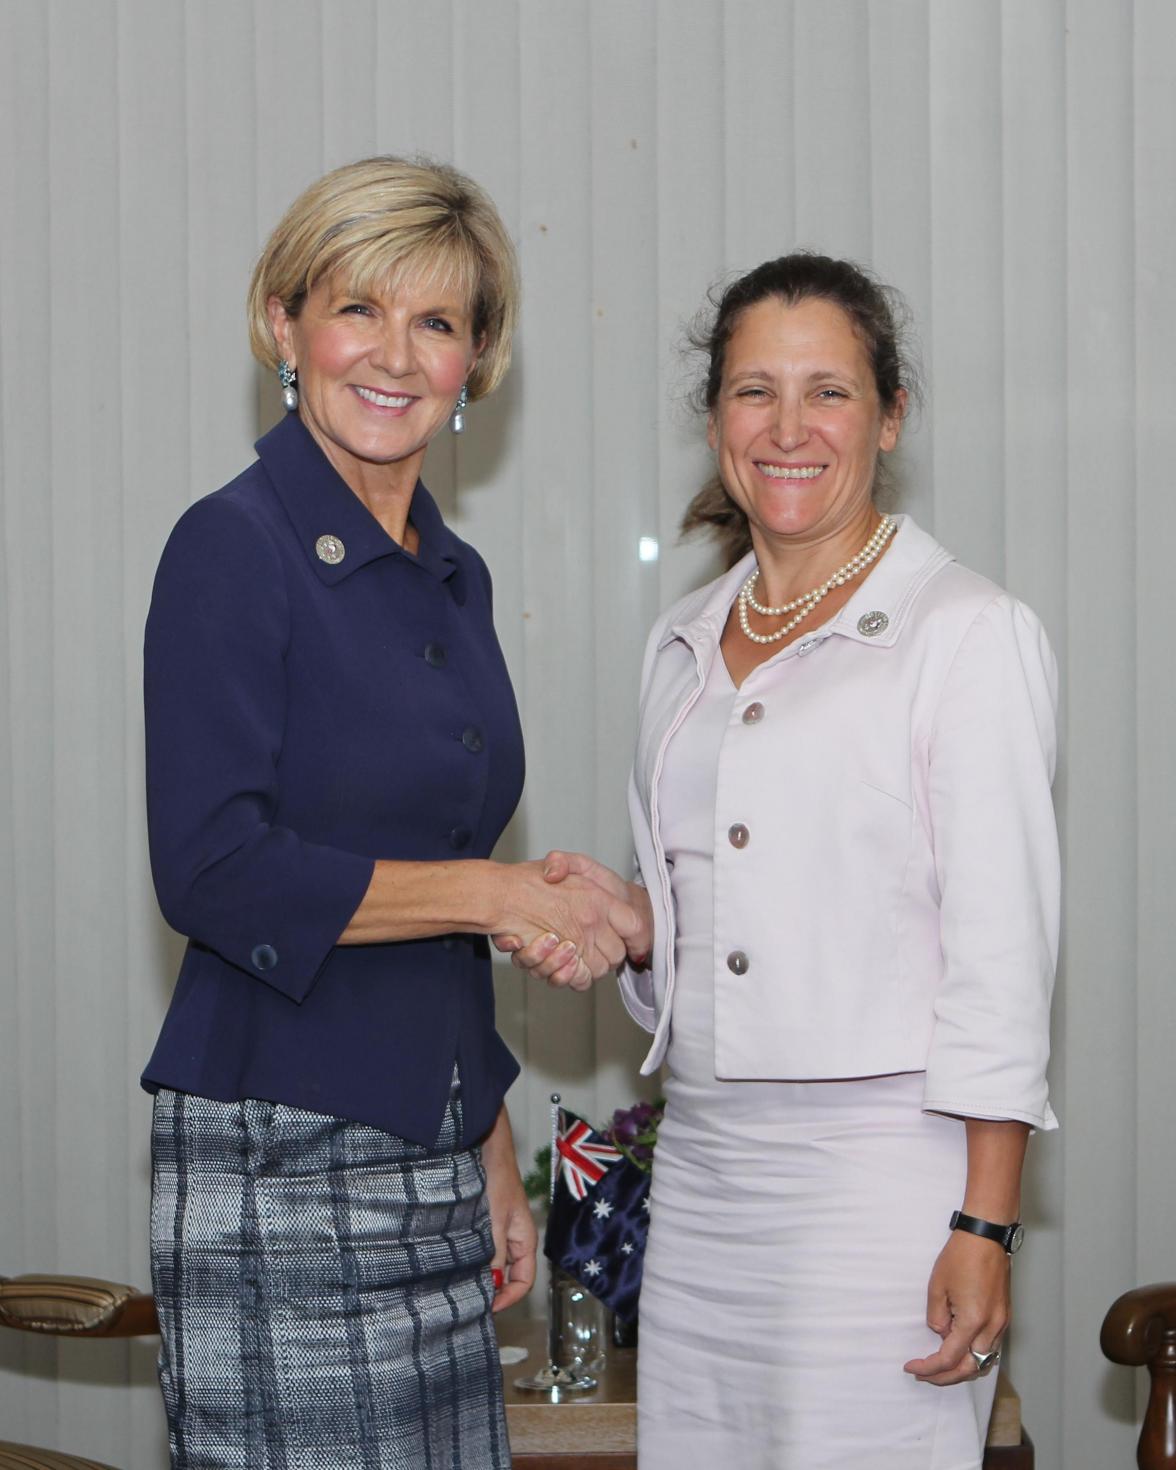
pixel 373 222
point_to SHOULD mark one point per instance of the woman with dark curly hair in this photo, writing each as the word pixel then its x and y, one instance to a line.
pixel 842 813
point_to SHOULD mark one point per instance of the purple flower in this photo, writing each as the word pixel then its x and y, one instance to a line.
pixel 634 1131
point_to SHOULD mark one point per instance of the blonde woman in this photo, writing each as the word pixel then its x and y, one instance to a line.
pixel 333 749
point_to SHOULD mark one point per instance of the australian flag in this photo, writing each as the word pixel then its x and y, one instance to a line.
pixel 599 1217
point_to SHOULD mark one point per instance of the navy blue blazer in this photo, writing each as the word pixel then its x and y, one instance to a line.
pixel 305 717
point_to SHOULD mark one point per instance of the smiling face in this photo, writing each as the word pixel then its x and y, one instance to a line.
pixel 798 425
pixel 378 374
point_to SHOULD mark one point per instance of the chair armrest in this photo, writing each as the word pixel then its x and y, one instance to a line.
pixel 1141 1328
pixel 75 1306
pixel 29 1457
pixel 1134 1329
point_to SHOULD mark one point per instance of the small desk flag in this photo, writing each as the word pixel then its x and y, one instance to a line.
pixel 599 1216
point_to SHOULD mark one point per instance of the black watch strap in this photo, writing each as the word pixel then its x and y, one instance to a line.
pixel 1009 1237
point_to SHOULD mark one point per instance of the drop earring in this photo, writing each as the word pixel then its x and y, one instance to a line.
pixel 289 381
pixel 459 409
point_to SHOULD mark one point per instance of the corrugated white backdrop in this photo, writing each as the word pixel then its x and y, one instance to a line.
pixel 1009 165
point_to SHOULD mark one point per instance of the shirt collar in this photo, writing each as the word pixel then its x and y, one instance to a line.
pixel 321 504
pixel 875 615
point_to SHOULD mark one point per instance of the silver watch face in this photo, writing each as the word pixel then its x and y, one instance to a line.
pixel 1016 1240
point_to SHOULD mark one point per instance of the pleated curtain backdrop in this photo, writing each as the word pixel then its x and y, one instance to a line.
pixel 1009 164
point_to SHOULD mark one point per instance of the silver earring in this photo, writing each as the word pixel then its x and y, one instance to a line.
pixel 459 409
pixel 289 381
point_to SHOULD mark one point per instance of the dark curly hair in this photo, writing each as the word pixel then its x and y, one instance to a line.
pixel 877 313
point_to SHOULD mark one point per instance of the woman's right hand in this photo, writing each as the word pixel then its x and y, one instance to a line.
pixel 585 923
pixel 553 957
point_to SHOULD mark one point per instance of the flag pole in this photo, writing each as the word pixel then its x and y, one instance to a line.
pixel 555 1102
pixel 553 1341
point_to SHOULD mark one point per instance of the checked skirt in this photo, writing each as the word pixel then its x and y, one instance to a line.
pixel 323 1292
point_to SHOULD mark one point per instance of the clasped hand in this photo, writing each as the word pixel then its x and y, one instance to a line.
pixel 584 922
pixel 967 1305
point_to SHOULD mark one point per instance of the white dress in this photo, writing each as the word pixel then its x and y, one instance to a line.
pixel 794 1224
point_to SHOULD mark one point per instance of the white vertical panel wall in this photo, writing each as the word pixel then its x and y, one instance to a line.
pixel 1008 163
pixel 1034 470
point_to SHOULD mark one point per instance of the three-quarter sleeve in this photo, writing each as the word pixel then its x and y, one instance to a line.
pixel 227 873
pixel 991 759
pixel 637 989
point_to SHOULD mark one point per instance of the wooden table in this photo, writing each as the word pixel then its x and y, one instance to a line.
pixel 587 1431
pixel 598 1431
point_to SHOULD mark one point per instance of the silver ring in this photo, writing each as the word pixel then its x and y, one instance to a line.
pixel 984 1361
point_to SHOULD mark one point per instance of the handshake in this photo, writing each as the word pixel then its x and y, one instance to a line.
pixel 569 919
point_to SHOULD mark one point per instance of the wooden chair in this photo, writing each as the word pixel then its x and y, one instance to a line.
pixel 1141 1328
pixel 69 1306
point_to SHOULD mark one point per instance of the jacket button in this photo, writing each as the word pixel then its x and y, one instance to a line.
pixel 459 838
pixel 471 738
pixel 449 943
pixel 738 835
pixel 435 655
pixel 753 714
pixel 738 963
pixel 264 957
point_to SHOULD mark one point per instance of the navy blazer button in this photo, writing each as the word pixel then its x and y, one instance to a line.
pixel 471 738
pixel 449 942
pixel 753 714
pixel 264 957
pixel 738 963
pixel 460 837
pixel 435 655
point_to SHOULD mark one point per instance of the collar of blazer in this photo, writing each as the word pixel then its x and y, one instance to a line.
pixel 320 503
pixel 890 589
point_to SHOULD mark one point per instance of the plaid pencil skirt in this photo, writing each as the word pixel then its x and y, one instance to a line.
pixel 324 1292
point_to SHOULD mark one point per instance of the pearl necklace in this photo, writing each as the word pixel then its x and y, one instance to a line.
pixel 803 605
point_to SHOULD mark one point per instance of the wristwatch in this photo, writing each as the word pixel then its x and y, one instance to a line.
pixel 1010 1237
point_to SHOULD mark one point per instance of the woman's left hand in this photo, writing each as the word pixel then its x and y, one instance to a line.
pixel 516 1241
pixel 967 1305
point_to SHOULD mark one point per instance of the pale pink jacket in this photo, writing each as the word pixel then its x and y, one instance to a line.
pixel 897 899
